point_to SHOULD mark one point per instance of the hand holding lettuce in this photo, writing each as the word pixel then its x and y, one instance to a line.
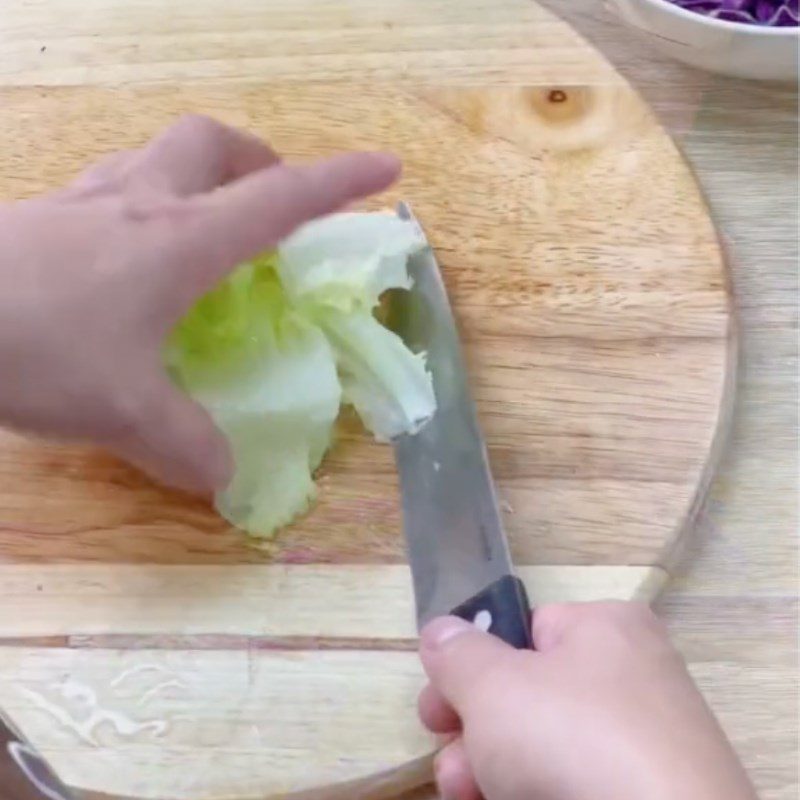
pixel 95 276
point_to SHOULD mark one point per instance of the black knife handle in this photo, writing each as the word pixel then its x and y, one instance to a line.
pixel 503 610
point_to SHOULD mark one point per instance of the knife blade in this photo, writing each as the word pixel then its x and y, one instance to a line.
pixel 457 548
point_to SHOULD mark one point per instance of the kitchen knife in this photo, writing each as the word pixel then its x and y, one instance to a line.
pixel 459 555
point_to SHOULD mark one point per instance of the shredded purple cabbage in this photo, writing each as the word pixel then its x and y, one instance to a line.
pixel 773 13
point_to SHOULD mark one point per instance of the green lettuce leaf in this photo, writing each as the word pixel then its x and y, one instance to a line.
pixel 347 261
pixel 275 349
pixel 387 384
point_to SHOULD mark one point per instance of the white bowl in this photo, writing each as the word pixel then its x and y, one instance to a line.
pixel 729 48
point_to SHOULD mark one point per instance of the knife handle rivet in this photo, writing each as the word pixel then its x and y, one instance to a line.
pixel 483 620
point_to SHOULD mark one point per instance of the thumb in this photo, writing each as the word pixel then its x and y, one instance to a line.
pixel 177 443
pixel 459 659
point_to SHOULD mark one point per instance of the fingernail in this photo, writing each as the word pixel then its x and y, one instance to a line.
pixel 388 161
pixel 443 630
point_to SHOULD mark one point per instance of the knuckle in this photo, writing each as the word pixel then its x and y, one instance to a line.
pixel 623 613
pixel 109 175
pixel 552 613
pixel 199 127
pixel 548 622
pixel 135 413
pixel 143 203
pixel 626 625
pixel 299 179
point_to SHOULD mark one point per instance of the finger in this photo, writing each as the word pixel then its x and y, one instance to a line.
pixel 459 659
pixel 198 154
pixel 176 442
pixel 436 713
pixel 552 622
pixel 453 773
pixel 558 623
pixel 256 212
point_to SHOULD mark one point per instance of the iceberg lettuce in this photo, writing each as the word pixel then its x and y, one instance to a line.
pixel 274 351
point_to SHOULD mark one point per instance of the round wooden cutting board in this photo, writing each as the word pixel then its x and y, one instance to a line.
pixel 147 648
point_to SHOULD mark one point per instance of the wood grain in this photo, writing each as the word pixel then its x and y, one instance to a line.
pixel 588 356
pixel 596 312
